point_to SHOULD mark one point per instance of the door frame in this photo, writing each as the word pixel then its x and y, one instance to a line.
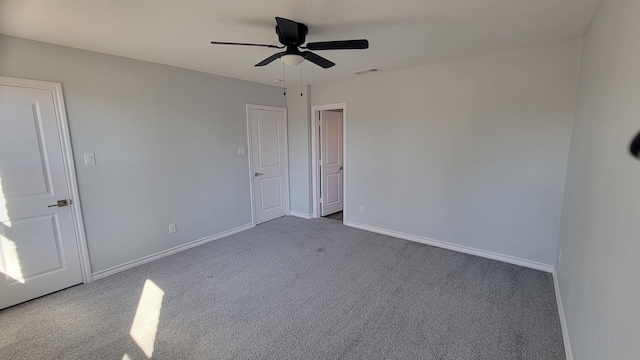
pixel 69 164
pixel 250 157
pixel 315 143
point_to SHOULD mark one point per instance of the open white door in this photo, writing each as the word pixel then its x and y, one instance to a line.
pixel 331 161
pixel 267 128
pixel 39 252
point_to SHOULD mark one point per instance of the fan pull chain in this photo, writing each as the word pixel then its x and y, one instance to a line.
pixel 284 79
pixel 300 79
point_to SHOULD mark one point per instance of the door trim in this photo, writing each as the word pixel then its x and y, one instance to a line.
pixel 250 157
pixel 315 174
pixel 69 164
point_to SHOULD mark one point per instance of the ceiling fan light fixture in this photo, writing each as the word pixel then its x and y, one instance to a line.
pixel 292 59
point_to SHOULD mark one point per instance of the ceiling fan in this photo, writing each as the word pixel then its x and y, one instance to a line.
pixel 292 35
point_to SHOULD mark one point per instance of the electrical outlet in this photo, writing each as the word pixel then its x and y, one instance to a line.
pixel 89 159
pixel 361 209
pixel 241 150
pixel 172 228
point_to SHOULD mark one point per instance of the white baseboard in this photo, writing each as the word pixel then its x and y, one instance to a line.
pixel 455 247
pixel 143 260
pixel 563 319
pixel 300 214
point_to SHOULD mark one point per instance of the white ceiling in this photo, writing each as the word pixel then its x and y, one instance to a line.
pixel 401 33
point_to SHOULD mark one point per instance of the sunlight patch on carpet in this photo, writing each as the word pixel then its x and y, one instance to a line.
pixel 145 323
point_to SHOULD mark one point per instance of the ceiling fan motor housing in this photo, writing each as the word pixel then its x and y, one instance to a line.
pixel 303 30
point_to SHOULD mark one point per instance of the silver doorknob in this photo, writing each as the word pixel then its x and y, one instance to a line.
pixel 60 203
pixel 257 174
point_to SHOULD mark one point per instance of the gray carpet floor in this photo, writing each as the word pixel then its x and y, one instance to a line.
pixel 301 289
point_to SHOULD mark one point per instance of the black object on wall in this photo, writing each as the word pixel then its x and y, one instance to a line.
pixel 635 146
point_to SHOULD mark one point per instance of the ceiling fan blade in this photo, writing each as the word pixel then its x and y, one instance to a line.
pixel 317 59
pixel 288 29
pixel 246 44
pixel 270 59
pixel 339 45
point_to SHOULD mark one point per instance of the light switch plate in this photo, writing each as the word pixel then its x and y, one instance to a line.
pixel 241 150
pixel 89 159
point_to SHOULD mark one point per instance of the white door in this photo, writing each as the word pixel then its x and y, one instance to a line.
pixel 268 161
pixel 38 248
pixel 331 161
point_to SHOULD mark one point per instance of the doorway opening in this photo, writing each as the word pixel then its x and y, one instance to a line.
pixel 329 161
pixel 336 216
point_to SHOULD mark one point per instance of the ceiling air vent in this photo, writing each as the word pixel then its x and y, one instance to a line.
pixel 365 71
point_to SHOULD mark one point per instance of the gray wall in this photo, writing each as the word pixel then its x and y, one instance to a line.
pixel 298 117
pixel 165 141
pixel 471 152
pixel 600 232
